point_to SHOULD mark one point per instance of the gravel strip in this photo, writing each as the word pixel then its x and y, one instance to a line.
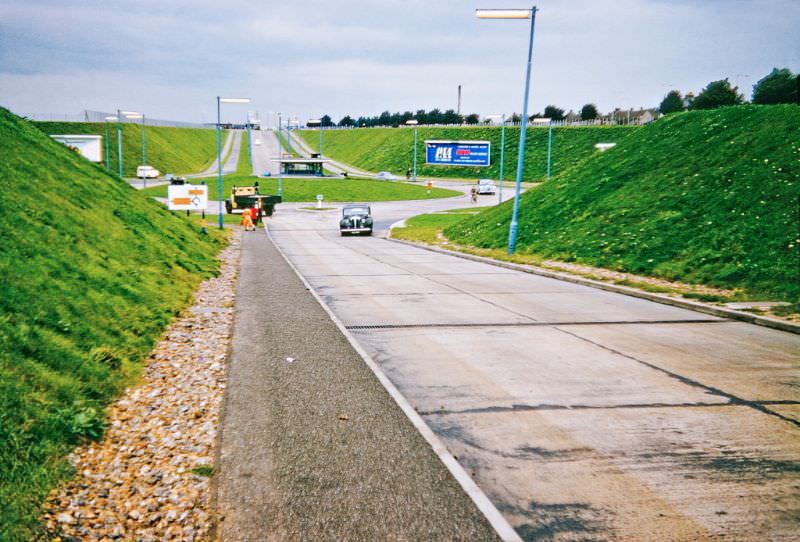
pixel 149 477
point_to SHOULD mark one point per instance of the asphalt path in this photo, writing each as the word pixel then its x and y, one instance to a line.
pixel 583 414
pixel 312 447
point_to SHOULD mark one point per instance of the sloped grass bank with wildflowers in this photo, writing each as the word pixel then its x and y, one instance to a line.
pixel 91 273
pixel 709 197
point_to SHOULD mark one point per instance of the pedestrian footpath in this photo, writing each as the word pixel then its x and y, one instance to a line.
pixel 312 447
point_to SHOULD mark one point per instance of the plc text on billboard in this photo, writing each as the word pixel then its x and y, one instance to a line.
pixel 457 153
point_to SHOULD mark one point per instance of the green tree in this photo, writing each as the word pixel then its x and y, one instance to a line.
pixel 515 118
pixel 589 112
pixel 672 103
pixel 554 113
pixel 717 94
pixel 472 118
pixel 347 120
pixel 779 87
pixel 326 121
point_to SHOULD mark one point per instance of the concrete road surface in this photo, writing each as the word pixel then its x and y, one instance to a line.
pixel 263 154
pixel 229 164
pixel 583 414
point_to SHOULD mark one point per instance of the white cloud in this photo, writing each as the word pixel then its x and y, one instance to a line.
pixel 361 57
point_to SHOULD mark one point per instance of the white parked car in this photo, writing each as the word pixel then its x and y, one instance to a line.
pixel 147 172
pixel 386 176
pixel 257 142
pixel 486 186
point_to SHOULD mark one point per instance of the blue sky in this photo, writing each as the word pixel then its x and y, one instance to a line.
pixel 305 58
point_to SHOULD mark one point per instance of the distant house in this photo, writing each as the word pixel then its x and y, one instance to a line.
pixel 631 116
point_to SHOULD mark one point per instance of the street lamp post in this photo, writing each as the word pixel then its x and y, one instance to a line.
pixel 289 137
pixel 132 115
pixel 107 158
pixel 119 142
pixel 280 157
pixel 516 14
pixel 414 123
pixel 128 114
pixel 502 152
pixel 219 147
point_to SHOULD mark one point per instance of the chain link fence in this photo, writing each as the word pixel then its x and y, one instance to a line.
pixel 99 116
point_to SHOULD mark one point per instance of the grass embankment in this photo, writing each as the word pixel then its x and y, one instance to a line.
pixel 428 228
pixel 331 189
pixel 708 197
pixel 91 272
pixel 243 166
pixel 170 150
pixel 392 149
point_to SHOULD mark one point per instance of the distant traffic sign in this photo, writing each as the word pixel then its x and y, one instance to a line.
pixel 457 153
pixel 187 197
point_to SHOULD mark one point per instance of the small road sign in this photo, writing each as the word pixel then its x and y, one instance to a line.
pixel 187 197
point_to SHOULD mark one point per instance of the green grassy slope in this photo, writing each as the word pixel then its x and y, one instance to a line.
pixel 392 149
pixel 91 272
pixel 170 150
pixel 706 196
pixel 331 189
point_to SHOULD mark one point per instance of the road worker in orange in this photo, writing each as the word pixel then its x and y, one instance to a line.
pixel 247 220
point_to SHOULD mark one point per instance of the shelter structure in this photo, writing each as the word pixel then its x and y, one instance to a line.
pixel 302 166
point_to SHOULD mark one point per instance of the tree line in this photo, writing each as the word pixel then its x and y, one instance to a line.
pixel 779 86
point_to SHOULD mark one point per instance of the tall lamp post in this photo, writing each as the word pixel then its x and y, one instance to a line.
pixel 549 123
pixel 516 14
pixel 219 147
pixel 144 159
pixel 502 151
pixel 280 157
pixel 414 123
pixel 107 158
pixel 128 114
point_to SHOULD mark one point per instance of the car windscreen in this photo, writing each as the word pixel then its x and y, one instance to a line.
pixel 350 211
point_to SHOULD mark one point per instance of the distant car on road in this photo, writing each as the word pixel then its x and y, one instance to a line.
pixel 486 186
pixel 257 142
pixel 147 172
pixel 266 174
pixel 386 176
pixel 174 179
pixel 356 219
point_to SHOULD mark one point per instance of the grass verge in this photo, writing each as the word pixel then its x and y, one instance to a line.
pixel 331 189
pixel 91 272
pixel 431 229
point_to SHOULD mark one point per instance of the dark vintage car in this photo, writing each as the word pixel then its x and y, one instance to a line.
pixel 356 219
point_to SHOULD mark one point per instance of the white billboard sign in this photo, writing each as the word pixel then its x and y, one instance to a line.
pixel 187 197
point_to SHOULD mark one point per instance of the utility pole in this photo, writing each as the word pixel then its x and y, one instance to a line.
pixel 458 109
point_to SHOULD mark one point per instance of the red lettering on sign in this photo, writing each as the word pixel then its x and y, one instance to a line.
pixel 462 152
